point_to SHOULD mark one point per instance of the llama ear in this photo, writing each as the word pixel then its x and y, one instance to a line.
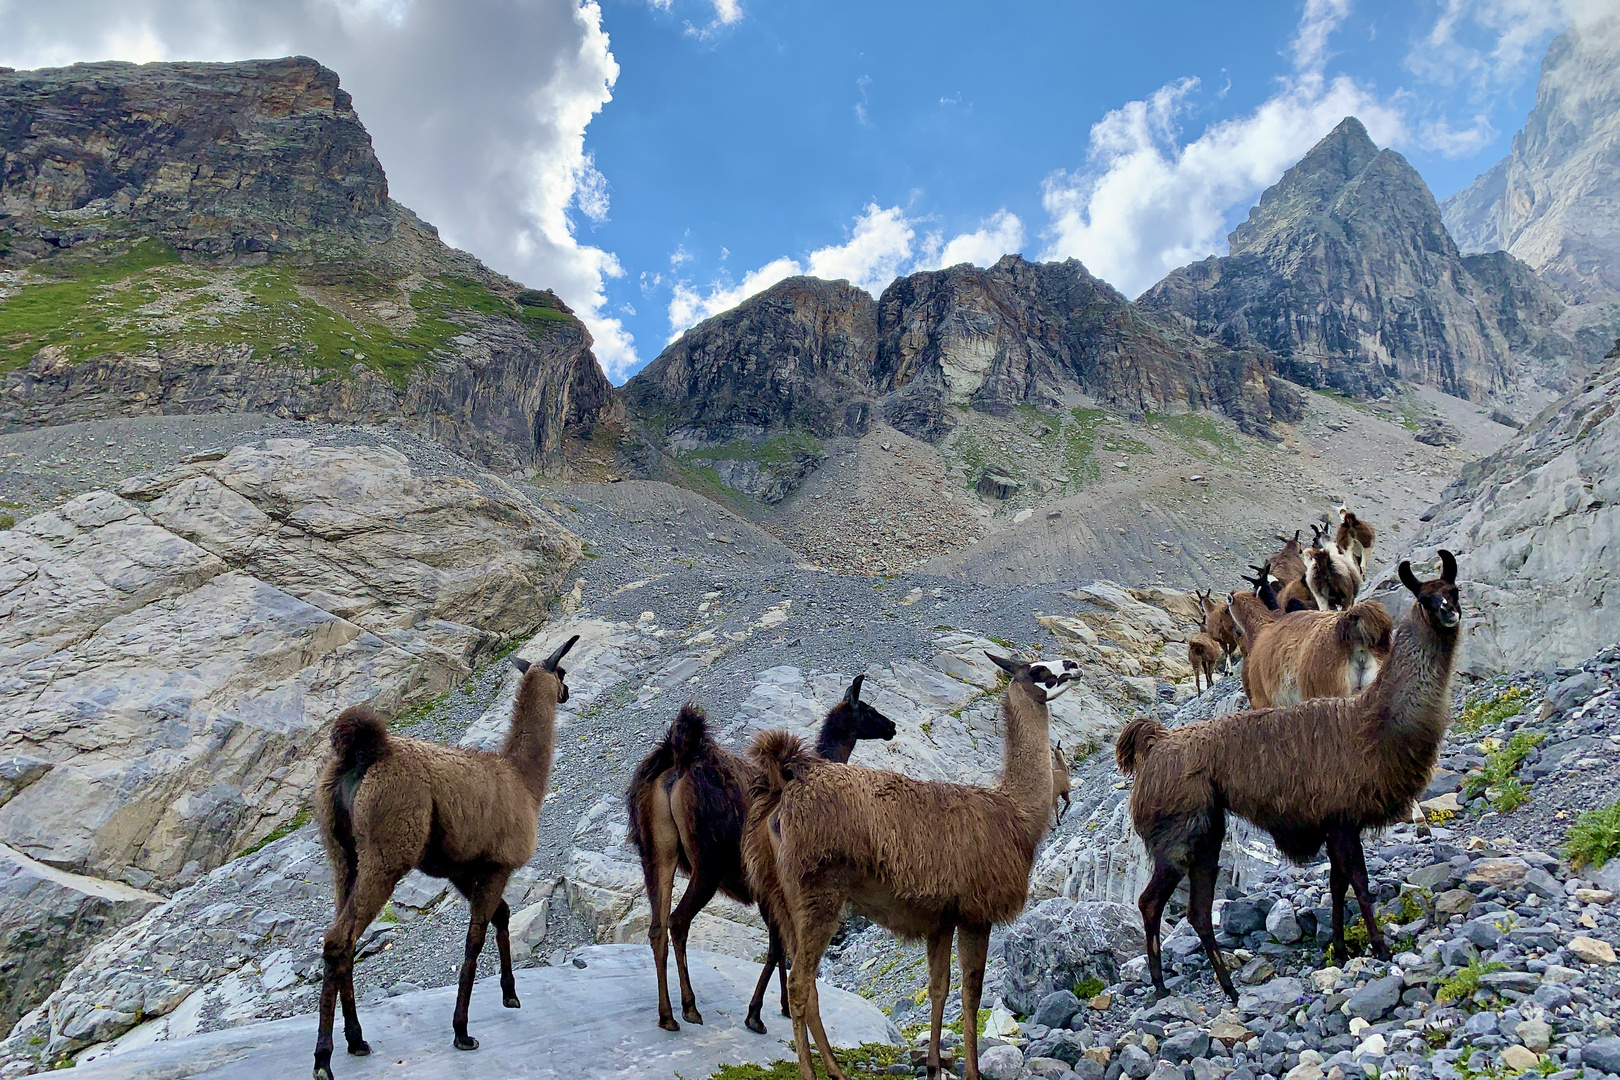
pixel 1409 579
pixel 550 663
pixel 1002 662
pixel 520 663
pixel 1448 567
pixel 853 694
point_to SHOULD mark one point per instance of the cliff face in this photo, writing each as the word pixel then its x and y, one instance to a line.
pixel 819 357
pixel 219 237
pixel 1346 271
pixel 1552 201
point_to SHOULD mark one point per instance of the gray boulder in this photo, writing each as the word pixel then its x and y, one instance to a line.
pixel 1602 1055
pixel 1004 1062
pixel 1282 924
pixel 1059 943
pixel 1374 1001
pixel 1274 996
pixel 1185 1045
pixel 1056 1009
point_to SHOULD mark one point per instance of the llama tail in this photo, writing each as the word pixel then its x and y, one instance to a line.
pixel 1366 625
pixel 779 757
pixel 680 747
pixel 1136 742
pixel 359 738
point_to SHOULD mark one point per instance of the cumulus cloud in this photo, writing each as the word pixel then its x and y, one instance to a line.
pixel 883 245
pixel 1490 44
pixel 477 108
pixel 1147 201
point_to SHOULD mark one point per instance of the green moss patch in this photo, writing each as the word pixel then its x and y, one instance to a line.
pixel 869 1061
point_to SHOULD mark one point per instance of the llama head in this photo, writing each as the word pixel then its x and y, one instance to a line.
pixel 852 715
pixel 549 666
pixel 1437 599
pixel 1049 677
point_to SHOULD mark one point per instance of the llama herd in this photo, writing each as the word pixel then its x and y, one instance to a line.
pixel 1348 715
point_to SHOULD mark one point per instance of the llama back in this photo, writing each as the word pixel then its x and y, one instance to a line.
pixel 479 802
pixel 931 841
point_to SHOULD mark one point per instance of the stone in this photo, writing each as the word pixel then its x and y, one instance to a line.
pixel 1059 943
pixel 1540 883
pixel 1557 974
pixel 1430 877
pixel 1005 1062
pixel 1255 972
pixel 1056 1009
pixel 1272 997
pixel 1185 1045
pixel 1483 933
pixel 1498 872
pixel 1590 950
pixel 1281 923
pixel 1454 902
pixel 48 920
pixel 1535 1034
pixel 1523 982
pixel 1002 1024
pixel 194 639
pixel 1304 1071
pixel 1166 1071
pixel 1594 896
pixel 1326 980
pixel 586 1028
pixel 1375 1000
pixel 1519 1059
pixel 1135 1062
pixel 1565 694
pixel 1602 1054
pixel 1242 917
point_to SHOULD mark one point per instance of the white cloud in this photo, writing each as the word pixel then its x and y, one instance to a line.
pixel 1002 234
pixel 1316 25
pixel 882 246
pixel 728 11
pixel 478 110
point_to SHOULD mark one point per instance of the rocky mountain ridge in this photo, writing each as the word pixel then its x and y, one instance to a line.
pixel 219 237
pixel 1345 270
pixel 1551 201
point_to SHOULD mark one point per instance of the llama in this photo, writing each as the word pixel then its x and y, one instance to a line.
pixel 687 801
pixel 1218 625
pixel 1333 577
pixel 387 804
pixel 820 835
pixel 1203 653
pixel 1355 539
pixel 1317 772
pixel 1300 655
pixel 1060 782
pixel 1288 564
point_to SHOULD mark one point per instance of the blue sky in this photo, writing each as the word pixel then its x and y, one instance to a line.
pixel 656 161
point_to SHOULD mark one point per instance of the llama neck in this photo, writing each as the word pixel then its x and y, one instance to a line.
pixel 533 736
pixel 1026 775
pixel 1415 685
pixel 835 745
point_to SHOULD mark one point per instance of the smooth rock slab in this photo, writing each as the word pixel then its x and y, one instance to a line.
pixel 599 1022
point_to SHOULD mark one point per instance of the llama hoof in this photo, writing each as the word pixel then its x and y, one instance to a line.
pixel 668 1023
pixel 360 1048
pixel 754 1024
pixel 690 1014
pixel 466 1042
pixel 323 1072
pixel 511 1001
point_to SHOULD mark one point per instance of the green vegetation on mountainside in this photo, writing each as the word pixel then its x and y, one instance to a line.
pixel 140 298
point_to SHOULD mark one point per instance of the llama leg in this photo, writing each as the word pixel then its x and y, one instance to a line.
pixel 817 918
pixel 773 958
pixel 782 980
pixel 1201 901
pixel 1065 807
pixel 939 988
pixel 659 871
pixel 483 900
pixel 1355 867
pixel 371 890
pixel 1338 881
pixel 503 942
pixel 1151 903
pixel 972 946
pixel 699 892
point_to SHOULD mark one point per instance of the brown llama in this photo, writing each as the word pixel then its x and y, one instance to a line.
pixel 1288 564
pixel 687 801
pixel 1294 596
pixel 1060 782
pixel 1218 625
pixel 1307 654
pixel 1317 772
pixel 1333 577
pixel 1203 653
pixel 389 804
pixel 822 835
pixel 1355 539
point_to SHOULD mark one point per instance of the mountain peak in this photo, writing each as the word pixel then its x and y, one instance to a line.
pixel 1310 187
